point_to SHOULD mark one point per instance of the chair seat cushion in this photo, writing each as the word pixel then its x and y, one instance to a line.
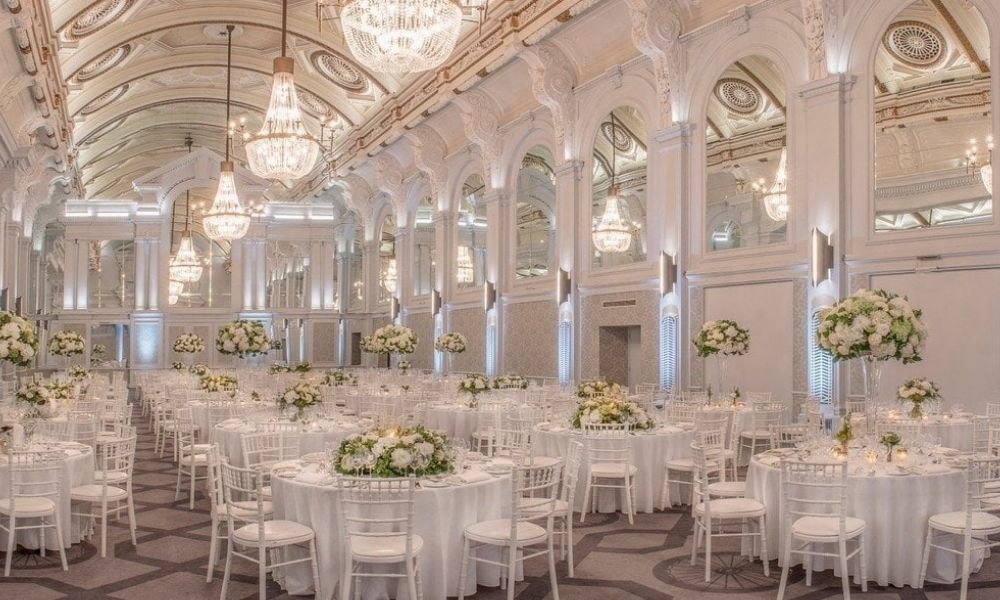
pixel 732 508
pixel 244 510
pixel 756 434
pixel 828 528
pixel 94 492
pixel 612 469
pixel 955 521
pixel 681 464
pixel 498 531
pixel 727 489
pixel 386 549
pixel 28 507
pixel 111 476
pixel 542 506
pixel 276 533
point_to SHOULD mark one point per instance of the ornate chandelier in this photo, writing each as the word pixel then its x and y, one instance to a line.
pixel 186 266
pixel 283 149
pixel 174 291
pixel 776 198
pixel 401 36
pixel 612 233
pixel 986 170
pixel 389 276
pixel 227 220
pixel 465 271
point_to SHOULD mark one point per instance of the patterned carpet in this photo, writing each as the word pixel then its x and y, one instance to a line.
pixel 615 561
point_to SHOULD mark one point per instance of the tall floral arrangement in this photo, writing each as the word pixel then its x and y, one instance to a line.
pixel 452 342
pixel 607 410
pixel 598 387
pixel 66 343
pixel 723 337
pixel 218 383
pixel 198 369
pixel 18 339
pixel 300 396
pixel 242 338
pixel 393 453
pixel 189 343
pixel 916 392
pixel 510 381
pixel 38 397
pixel 391 339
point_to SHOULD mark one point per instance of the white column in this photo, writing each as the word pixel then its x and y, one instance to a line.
pixel 141 273
pixel 316 276
pixel 246 250
pixel 154 283
pixel 328 272
pixel 260 274
pixel 81 274
pixel 12 233
pixel 69 274
pixel 4 216
pixel 568 201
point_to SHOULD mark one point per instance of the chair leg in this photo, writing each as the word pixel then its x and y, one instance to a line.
pixel 586 498
pixel 213 551
pixel 463 571
pixel 927 555
pixel 862 564
pixel 41 538
pixel 570 563
pixel 966 557
pixel 708 550
pixel 59 540
pixel 764 558
pixel 411 579
pixel 11 534
pixel 229 564
pixel 315 568
pixel 695 542
pixel 552 570
pixel 262 572
pixel 786 563
pixel 131 513
pixel 845 574
pixel 628 500
pixel 665 490
pixel 104 528
pixel 194 473
pixel 177 488
pixel 512 571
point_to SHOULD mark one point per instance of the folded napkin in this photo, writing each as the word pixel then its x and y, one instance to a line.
pixel 72 451
pixel 502 462
pixel 474 476
pixel 313 478
pixel 769 461
pixel 285 464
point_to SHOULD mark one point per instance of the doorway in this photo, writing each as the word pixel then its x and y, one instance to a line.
pixel 618 356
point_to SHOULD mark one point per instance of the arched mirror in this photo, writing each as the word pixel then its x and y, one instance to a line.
pixel 535 214
pixel 387 275
pixel 747 200
pixel 423 247
pixel 933 129
pixel 470 251
pixel 213 289
pixel 618 207
pixel 287 273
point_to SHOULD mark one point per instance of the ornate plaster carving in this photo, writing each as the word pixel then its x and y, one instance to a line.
pixel 819 19
pixel 656 31
pixel 553 78
pixel 481 120
pixel 429 151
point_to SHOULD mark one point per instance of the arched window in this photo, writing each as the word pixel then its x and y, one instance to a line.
pixel 618 206
pixel 470 239
pixel 746 188
pixel 423 247
pixel 535 214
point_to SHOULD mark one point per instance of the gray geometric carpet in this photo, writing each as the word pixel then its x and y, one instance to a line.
pixel 615 561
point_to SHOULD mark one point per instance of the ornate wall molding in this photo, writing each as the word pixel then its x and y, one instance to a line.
pixel 553 78
pixel 656 32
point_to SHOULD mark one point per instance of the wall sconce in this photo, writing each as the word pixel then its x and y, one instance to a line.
pixel 489 296
pixel 821 251
pixel 393 308
pixel 435 302
pixel 563 286
pixel 668 274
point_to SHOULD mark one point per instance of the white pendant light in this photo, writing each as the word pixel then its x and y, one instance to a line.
pixel 612 233
pixel 283 149
pixel 776 199
pixel 227 220
pixel 186 266
pixel 401 36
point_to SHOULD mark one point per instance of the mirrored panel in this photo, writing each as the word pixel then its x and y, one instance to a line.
pixel 535 214
pixel 423 247
pixel 213 289
pixel 357 268
pixel 110 273
pixel 933 130
pixel 470 257
pixel 387 259
pixel 618 210
pixel 746 189
pixel 287 274
pixel 53 266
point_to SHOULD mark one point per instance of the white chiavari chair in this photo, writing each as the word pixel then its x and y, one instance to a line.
pixel 788 435
pixel 263 449
pixel 609 465
pixel 763 417
pixel 191 456
pixel 911 431
pixel 34 490
pixel 104 496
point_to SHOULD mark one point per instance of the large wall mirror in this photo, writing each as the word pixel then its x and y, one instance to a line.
pixel 423 247
pixel 387 275
pixel 110 273
pixel 618 207
pixel 747 202
pixel 535 214
pixel 933 128
pixel 213 289
pixel 287 273
pixel 470 239
pixel 357 267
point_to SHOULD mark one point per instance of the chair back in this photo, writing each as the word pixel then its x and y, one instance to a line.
pixel 712 420
pixel 571 473
pixel 83 429
pixel 980 473
pixel 788 436
pixel 60 431
pixel 34 474
pixel 814 490
pixel 708 447
pixel 540 484
pixel 981 435
pixel 372 508
pixel 265 448
pixel 118 456
pixel 608 443
pixel 243 488
pixel 683 412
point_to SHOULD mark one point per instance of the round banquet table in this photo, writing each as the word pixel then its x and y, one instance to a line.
pixel 956 432
pixel 453 420
pixel 318 436
pixel 650 452
pixel 78 469
pixel 895 509
pixel 441 515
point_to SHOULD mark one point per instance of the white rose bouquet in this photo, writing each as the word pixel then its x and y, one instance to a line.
pixel 917 391
pixel 277 368
pixel 510 381
pixel 198 369
pixel 474 385
pixel 451 342
pixel 877 325
pixel 217 383
pixel 37 396
pixel 242 338
pixel 66 343
pixel 609 410
pixel 59 390
pixel 392 339
pixel 18 339
pixel 177 365
pixel 393 453
pixel 339 378
pixel 599 387
pixel 368 345
pixel 300 396
pixel 189 343
pixel 723 337
pixel 77 372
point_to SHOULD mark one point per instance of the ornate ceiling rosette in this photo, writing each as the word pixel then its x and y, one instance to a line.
pixel 104 99
pixel 619 136
pixel 96 17
pixel 314 105
pixel 103 63
pixel 738 95
pixel 340 71
pixel 915 44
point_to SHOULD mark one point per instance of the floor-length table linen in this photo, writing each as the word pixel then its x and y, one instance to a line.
pixel 313 439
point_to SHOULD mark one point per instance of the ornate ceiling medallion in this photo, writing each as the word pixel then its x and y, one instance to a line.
pixel 617 135
pixel 104 99
pixel 314 105
pixel 103 63
pixel 98 16
pixel 340 71
pixel 738 95
pixel 915 44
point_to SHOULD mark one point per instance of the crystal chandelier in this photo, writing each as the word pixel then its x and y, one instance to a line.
pixel 776 198
pixel 283 149
pixel 227 220
pixel 972 163
pixel 465 271
pixel 389 276
pixel 612 233
pixel 401 36
pixel 186 266
pixel 174 291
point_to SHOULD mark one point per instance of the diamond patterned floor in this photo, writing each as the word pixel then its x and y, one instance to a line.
pixel 615 561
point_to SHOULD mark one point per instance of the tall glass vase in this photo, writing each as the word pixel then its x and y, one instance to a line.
pixel 873 375
pixel 723 363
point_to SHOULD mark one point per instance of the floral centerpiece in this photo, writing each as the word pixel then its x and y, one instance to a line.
pixel 77 372
pixel 217 383
pixel 59 390
pixel 37 397
pixel 598 387
pixel 66 343
pixel 874 326
pixel 473 385
pixel 510 381
pixel 177 365
pixel 242 338
pixel 18 339
pixel 404 365
pixel 302 367
pixel 890 439
pixel 393 453
pixel 301 396
pixel 97 352
pixel 609 410
pixel 453 342
pixel 339 378
pixel 189 343
pixel 722 338
pixel 845 434
pixel 735 396
pixel 198 369
pixel 917 391
pixel 390 339
pixel 277 368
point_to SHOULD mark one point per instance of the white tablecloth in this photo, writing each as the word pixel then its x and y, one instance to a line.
pixel 228 438
pixel 895 510
pixel 453 420
pixel 441 516
pixel 78 469
pixel 650 452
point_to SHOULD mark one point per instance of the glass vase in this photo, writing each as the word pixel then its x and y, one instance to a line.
pixel 723 364
pixel 873 375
